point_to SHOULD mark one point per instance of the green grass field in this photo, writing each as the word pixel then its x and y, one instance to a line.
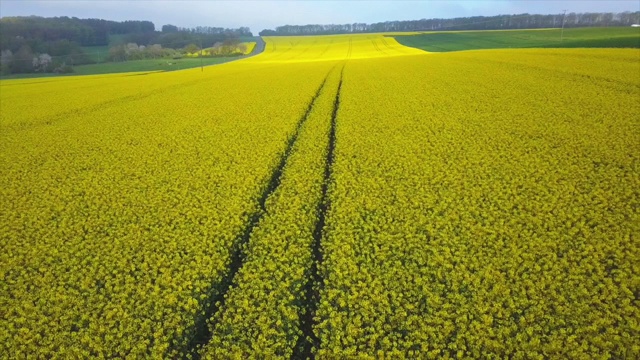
pixel 546 38
pixel 148 65
pixel 96 53
pixel 132 66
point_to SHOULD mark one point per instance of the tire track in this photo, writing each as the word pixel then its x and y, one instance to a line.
pixel 375 45
pixel 278 54
pixel 201 334
pixel 325 50
pixel 309 340
pixel 400 49
pixel 304 51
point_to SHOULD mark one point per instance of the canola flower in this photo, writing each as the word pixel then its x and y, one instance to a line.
pixel 484 204
pixel 261 316
pixel 294 49
pixel 117 219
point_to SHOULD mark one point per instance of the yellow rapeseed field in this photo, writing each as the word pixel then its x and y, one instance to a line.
pixel 485 204
pixel 288 49
pixel 335 196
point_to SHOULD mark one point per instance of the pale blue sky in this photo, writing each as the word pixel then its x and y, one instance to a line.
pixel 267 14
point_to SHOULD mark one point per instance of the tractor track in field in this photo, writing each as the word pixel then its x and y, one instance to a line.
pixel 324 51
pixel 375 45
pixel 201 333
pixel 392 49
pixel 309 340
pixel 304 51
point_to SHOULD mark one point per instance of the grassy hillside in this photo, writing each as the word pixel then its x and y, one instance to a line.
pixel 99 53
pixel 546 38
pixel 133 66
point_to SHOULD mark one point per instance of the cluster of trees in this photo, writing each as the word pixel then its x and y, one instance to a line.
pixel 61 57
pixel 228 47
pixel 34 30
pixel 175 44
pixel 241 31
pixel 519 21
pixel 133 51
pixel 38 44
pixel 175 40
pixel 175 37
pixel 32 43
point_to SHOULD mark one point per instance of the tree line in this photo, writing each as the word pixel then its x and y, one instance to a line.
pixel 499 22
pixel 20 30
pixel 39 44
